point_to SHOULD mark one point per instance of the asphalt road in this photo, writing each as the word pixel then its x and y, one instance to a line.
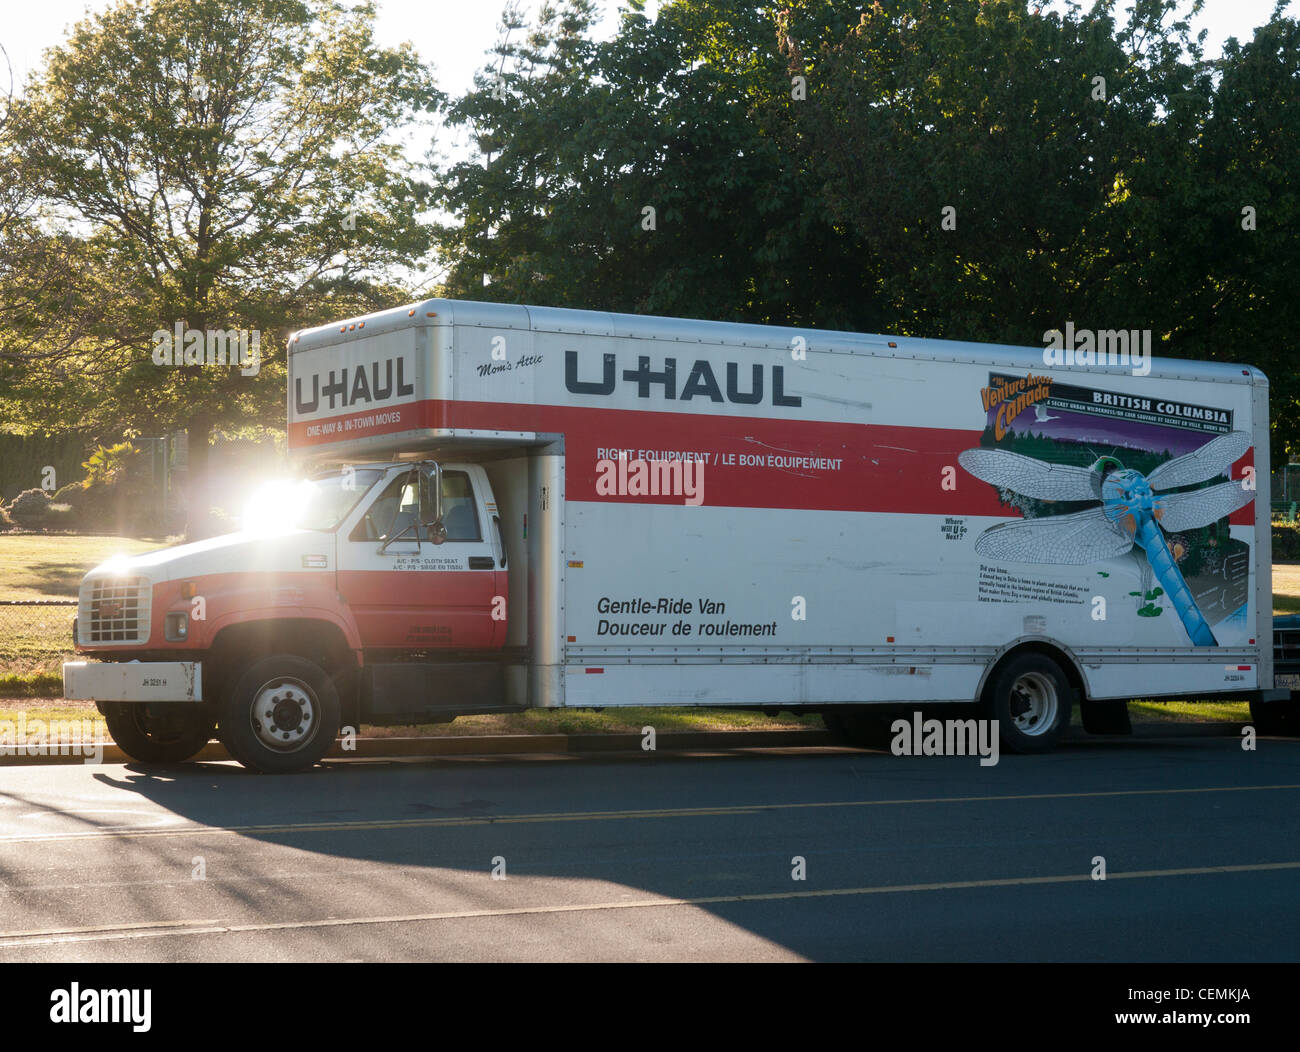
pixel 664 857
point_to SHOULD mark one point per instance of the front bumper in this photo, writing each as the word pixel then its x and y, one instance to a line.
pixel 178 681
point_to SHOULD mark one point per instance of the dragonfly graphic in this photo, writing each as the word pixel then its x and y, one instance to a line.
pixel 1131 512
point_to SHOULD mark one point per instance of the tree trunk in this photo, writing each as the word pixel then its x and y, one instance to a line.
pixel 199 521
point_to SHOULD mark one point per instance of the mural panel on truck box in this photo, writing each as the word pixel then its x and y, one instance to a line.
pixel 1099 476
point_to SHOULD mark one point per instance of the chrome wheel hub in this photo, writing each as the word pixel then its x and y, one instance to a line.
pixel 284 714
pixel 1034 704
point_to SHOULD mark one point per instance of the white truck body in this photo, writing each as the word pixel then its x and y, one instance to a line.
pixel 535 507
pixel 832 558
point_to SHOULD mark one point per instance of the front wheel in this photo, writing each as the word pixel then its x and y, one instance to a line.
pixel 282 715
pixel 149 735
pixel 1031 700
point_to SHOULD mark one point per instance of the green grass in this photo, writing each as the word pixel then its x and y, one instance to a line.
pixel 34 642
pixel 628 721
pixel 668 720
pixel 1189 711
pixel 1286 588
pixel 610 721
pixel 535 721
pixel 41 709
pixel 36 566
pixel 42 684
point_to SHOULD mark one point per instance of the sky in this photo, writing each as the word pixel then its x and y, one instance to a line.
pixel 454 34
pixel 451 34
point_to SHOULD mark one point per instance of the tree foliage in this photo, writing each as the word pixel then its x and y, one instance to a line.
pixel 971 169
pixel 228 165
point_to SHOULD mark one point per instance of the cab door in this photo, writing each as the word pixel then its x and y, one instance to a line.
pixel 407 593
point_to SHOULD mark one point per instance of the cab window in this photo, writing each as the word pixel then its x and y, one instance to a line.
pixel 396 511
pixel 459 513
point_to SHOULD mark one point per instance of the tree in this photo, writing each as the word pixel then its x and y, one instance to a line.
pixel 41 274
pixel 975 169
pixel 1231 243
pixel 579 140
pixel 984 152
pixel 234 165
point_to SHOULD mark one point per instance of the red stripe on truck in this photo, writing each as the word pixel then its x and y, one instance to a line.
pixel 751 462
pixel 428 609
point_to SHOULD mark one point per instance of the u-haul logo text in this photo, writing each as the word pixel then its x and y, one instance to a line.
pixel 354 385
pixel 700 382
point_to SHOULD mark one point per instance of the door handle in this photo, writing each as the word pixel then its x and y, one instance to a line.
pixel 501 540
pixel 481 562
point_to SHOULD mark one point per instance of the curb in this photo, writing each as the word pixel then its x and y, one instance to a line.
pixel 493 745
pixel 1165 729
pixel 532 744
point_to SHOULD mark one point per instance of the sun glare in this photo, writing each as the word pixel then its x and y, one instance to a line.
pixel 117 563
pixel 275 506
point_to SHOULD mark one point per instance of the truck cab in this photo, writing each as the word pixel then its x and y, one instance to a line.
pixel 414 575
pixel 372 592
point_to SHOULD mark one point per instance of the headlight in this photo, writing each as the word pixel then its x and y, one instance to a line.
pixel 176 627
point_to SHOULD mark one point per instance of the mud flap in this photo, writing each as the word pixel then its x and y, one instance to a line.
pixel 1106 717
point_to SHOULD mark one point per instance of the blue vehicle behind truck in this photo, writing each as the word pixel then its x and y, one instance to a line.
pixel 1282 717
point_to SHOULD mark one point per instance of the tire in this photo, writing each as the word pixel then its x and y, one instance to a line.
pixel 859 726
pixel 281 715
pixel 1031 700
pixel 143 735
pixel 1276 718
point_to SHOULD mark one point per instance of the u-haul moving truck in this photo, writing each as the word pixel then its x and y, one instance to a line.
pixel 516 507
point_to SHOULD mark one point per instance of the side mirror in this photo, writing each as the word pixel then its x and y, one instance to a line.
pixel 431 518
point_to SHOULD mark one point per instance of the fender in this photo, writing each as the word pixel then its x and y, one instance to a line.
pixel 1054 644
pixel 288 613
pixel 231 599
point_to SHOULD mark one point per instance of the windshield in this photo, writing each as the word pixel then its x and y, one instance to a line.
pixel 320 503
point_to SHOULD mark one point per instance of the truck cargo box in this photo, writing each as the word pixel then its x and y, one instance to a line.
pixel 872 518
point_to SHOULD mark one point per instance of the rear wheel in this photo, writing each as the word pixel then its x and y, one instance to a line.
pixel 281 715
pixel 1031 700
pixel 157 733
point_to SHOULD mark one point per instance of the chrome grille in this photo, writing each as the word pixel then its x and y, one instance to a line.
pixel 114 610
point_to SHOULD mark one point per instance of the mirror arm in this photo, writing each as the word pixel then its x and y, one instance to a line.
pixel 412 476
pixel 389 540
pixel 437 532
